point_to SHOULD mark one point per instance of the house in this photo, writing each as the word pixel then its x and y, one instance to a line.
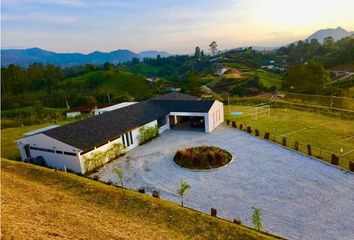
pixel 220 69
pixel 83 110
pixel 70 145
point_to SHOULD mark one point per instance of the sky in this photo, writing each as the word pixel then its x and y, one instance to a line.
pixel 176 26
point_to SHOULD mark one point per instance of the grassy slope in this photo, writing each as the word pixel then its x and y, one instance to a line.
pixel 134 84
pixel 330 135
pixel 38 203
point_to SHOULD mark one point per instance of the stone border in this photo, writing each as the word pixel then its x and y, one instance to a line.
pixel 204 170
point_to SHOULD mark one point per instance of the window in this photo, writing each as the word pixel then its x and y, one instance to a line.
pixel 27 150
pixel 131 137
pixel 123 139
pixel 127 139
pixel 70 153
pixel 41 149
pixel 59 152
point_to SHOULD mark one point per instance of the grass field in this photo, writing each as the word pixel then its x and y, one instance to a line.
pixel 39 203
pixel 9 135
pixel 325 134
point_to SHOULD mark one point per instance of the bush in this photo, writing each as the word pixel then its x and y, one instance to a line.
pixel 147 134
pixel 203 157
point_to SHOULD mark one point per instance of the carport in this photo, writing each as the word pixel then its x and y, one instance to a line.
pixel 181 122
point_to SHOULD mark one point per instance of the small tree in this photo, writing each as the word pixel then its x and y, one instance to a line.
pixel 257 218
pixel 181 191
pixel 120 175
pixel 213 48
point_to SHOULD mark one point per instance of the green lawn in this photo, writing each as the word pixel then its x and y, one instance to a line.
pixel 9 135
pixel 323 132
pixel 269 79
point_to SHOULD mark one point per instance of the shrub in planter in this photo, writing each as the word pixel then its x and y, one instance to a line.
pixel 203 157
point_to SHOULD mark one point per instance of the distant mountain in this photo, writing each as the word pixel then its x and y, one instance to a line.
pixel 24 57
pixel 153 54
pixel 335 33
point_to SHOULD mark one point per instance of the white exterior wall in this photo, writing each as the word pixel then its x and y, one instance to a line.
pixel 215 116
pixel 54 160
pixel 166 126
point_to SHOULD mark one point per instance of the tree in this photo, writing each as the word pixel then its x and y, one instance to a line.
pixel 213 48
pixel 328 42
pixel 257 218
pixel 197 53
pixel 107 66
pixel 306 78
pixel 193 85
pixel 120 175
pixel 182 190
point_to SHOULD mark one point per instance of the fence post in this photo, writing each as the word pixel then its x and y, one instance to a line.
pixel 156 194
pixel 309 149
pixel 335 159
pixel 284 141
pixel 351 166
pixel 296 145
pixel 213 212
pixel 256 132
pixel 249 129
pixel 266 135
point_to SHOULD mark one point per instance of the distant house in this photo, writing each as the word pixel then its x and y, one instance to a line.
pixel 68 146
pixel 340 73
pixel 220 69
pixel 83 110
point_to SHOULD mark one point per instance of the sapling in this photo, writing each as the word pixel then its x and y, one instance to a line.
pixel 257 218
pixel 181 191
pixel 120 175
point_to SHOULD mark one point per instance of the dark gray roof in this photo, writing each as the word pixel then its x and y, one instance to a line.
pixel 98 130
pixel 185 105
pixel 175 96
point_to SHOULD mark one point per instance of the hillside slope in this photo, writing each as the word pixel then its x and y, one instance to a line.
pixel 38 203
pixel 117 82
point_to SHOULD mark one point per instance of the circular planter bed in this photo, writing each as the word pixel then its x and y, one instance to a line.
pixel 203 157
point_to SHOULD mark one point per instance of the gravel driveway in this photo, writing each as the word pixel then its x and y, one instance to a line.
pixel 300 198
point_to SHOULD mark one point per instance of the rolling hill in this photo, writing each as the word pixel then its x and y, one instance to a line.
pixel 39 203
pixel 116 81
